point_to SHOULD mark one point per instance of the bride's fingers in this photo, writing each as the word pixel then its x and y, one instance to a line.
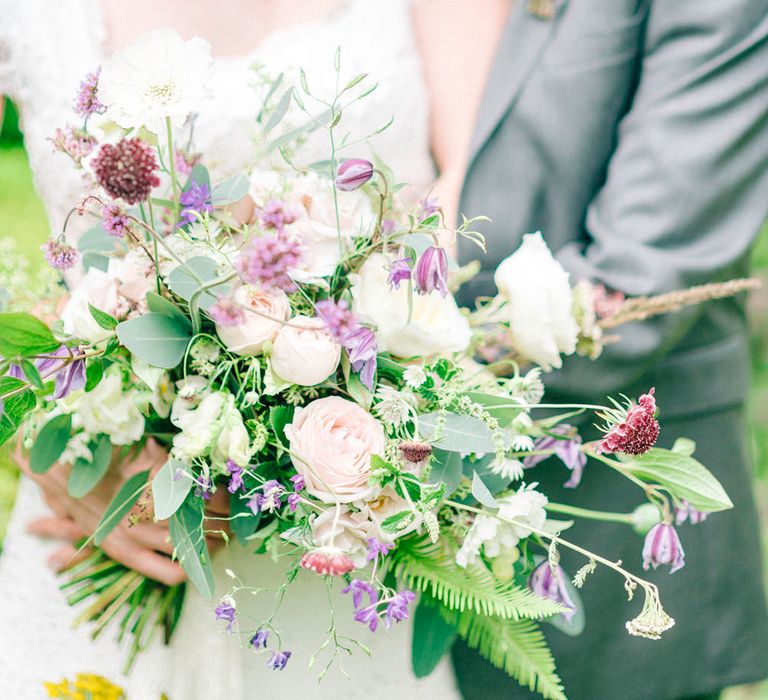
pixel 67 556
pixel 153 565
pixel 151 536
pixel 57 528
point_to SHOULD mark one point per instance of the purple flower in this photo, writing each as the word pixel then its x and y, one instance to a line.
pixel 358 588
pixel 225 610
pixel 361 346
pixel 269 499
pixel 427 207
pixel 337 317
pixel 70 376
pixel 397 608
pixel 432 271
pixel 353 173
pixel 298 482
pixel 368 616
pixel 260 639
pixel 226 312
pixel 685 511
pixel 568 450
pixel 195 200
pixel 115 220
pixel 399 271
pixel 378 548
pixel 278 660
pixel 15 371
pixel 276 214
pixel 59 254
pixel 293 501
pixel 553 586
pixel 86 102
pixel 204 487
pixel 662 546
pixel 268 261
pixel 235 477
pixel 388 226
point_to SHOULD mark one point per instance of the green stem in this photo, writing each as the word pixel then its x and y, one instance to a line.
pixel 589 514
pixel 172 169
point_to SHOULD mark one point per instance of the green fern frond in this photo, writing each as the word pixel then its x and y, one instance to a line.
pixel 518 647
pixel 430 568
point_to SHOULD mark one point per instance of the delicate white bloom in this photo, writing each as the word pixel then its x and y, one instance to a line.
pixel 340 528
pixel 263 315
pixel 375 510
pixel 232 442
pixel 529 389
pixel 539 304
pixel 511 469
pixel 160 75
pixel 394 407
pixel 521 443
pixel 303 353
pixel 99 289
pixel 190 391
pixel 77 448
pixel 432 325
pixel 265 185
pixel 414 376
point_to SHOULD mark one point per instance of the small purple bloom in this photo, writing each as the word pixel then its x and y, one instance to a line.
pixel 226 312
pixel 427 207
pixel 115 220
pixel 260 639
pixel 337 317
pixel 298 482
pixel 293 501
pixel 235 477
pixel 378 548
pixel 368 616
pixel 196 200
pixel 361 346
pixel 276 214
pixel 432 271
pixel 268 261
pixel 15 371
pixel 358 588
pixel 568 450
pixel 353 173
pixel 225 610
pixel 685 511
pixel 388 226
pixel 204 488
pixel 278 660
pixel 399 271
pixel 269 499
pixel 87 102
pixel 70 376
pixel 553 586
pixel 662 546
pixel 397 608
pixel 59 254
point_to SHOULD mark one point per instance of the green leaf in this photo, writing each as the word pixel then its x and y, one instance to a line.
pixel 446 468
pixel 190 547
pixel 279 417
pixel 182 282
pixel 432 637
pixel 684 446
pixel 32 373
pixel 120 505
pixel 24 335
pixel 159 340
pixel 481 493
pixel 85 475
pixel 495 483
pixel 387 367
pixel 504 409
pixel 170 488
pixel 94 372
pixel 105 320
pixel 280 111
pixel 357 390
pixel 164 306
pixel 683 475
pixel 51 442
pixel 14 408
pixel 463 434
pixel 230 190
pixel 243 522
pixel 96 240
pixel 198 175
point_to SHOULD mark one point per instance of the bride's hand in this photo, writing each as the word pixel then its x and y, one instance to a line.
pixel 136 542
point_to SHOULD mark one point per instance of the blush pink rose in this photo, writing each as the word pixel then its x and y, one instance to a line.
pixel 332 441
pixel 264 314
pixel 303 353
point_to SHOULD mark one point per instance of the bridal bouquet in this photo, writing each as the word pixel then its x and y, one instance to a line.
pixel 290 337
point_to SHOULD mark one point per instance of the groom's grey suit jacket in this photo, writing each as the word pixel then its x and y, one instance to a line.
pixel 634 135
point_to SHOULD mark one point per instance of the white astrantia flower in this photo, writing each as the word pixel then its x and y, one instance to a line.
pixel 394 407
pixel 511 469
pixel 414 376
pixel 77 448
pixel 539 303
pixel 159 76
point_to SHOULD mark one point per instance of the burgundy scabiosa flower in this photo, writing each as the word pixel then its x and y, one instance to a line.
pixel 327 561
pixel 567 449
pixel 631 429
pixel 432 271
pixel 353 174
pixel 87 101
pixel 268 261
pixel 276 214
pixel 399 272
pixel 115 220
pixel 127 169
pixel 662 546
pixel 415 452
pixel 543 582
pixel 59 254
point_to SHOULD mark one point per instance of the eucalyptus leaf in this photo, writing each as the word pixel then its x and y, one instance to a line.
pixel 230 190
pixel 431 639
pixel 463 434
pixel 357 390
pixel 280 111
pixel 494 482
pixel 197 176
pixel 96 240
pixel 481 492
pixel 182 282
pixel 50 443
pixel 503 408
pixel 97 260
pixel 25 336
pixel 170 487
pixel 446 469
pixel 684 446
pixel 85 475
pixel 159 340
pixel 164 306
pixel 190 547
pixel 120 505
pixel 243 522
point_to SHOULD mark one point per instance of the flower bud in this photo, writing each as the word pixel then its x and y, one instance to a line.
pixel 548 584
pixel 644 517
pixel 662 546
pixel 353 174
pixel 432 271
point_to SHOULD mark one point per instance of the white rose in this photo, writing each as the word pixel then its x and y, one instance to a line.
pixel 110 410
pixel 99 289
pixel 539 303
pixel 262 322
pixel 232 442
pixel 435 325
pixel 198 426
pixel 303 353
pixel 344 531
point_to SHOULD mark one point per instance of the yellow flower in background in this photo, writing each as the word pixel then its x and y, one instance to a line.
pixel 86 686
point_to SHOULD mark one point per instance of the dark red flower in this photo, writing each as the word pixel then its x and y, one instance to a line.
pixel 127 169
pixel 632 430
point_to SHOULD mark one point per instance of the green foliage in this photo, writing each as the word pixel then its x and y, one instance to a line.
pixel 279 417
pixel 85 475
pixel 159 340
pixel 458 433
pixel 105 320
pixel 447 469
pixel 170 487
pixel 430 568
pixel 23 335
pixel 185 280
pixel 190 547
pixel 163 306
pixel 432 637
pixel 230 190
pixel 500 407
pixel 15 407
pixel 120 505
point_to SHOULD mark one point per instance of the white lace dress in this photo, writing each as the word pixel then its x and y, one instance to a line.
pixel 45 49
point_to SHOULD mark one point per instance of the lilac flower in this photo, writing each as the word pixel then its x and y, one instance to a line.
pixel 358 588
pixel 361 346
pixel 268 261
pixel 662 546
pixel 278 660
pixel 269 499
pixel 226 312
pixel 196 200
pixel 568 450
pixel 115 220
pixel 399 271
pixel 74 142
pixel 432 271
pixel 293 501
pixel 353 173
pixel 388 226
pixel 69 376
pixel 60 255
pixel 276 214
pixel 260 639
pixel 553 586
pixel 378 548
pixel 225 610
pixel 15 371
pixel 235 477
pixel 184 161
pixel 368 616
pixel 337 317
pixel 685 511
pixel 204 488
pixel 87 102
pixel 427 207
pixel 298 482
pixel 397 608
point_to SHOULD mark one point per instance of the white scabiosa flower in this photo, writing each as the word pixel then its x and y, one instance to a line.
pixel 159 76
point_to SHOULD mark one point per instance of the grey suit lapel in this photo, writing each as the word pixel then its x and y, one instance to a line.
pixel 527 32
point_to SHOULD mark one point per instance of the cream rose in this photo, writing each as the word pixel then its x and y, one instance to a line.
pixel 99 289
pixel 264 313
pixel 303 353
pixel 343 531
pixel 539 304
pixel 332 441
pixel 435 324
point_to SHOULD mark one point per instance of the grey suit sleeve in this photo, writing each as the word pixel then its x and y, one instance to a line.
pixel 687 186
